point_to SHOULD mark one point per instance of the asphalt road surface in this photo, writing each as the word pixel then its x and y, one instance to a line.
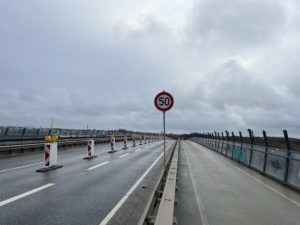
pixel 214 190
pixel 82 192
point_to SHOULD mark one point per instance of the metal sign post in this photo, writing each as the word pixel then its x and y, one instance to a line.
pixel 164 121
pixel 164 101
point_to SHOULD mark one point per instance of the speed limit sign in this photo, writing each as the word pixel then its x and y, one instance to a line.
pixel 164 101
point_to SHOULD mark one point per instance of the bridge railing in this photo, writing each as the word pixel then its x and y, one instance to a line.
pixel 281 165
pixel 8 134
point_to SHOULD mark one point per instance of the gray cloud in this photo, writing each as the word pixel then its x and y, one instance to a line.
pixel 237 22
pixel 230 64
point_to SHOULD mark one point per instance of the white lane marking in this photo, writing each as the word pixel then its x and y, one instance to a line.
pixel 7 201
pixel 268 186
pixel 121 202
pixel 138 150
pixel 19 167
pixel 96 166
pixel 200 204
pixel 123 155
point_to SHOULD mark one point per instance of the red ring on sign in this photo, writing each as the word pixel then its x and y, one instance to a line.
pixel 171 99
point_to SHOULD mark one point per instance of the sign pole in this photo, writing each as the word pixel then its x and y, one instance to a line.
pixel 164 101
pixel 164 122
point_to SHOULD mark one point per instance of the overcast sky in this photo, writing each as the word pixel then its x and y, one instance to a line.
pixel 230 64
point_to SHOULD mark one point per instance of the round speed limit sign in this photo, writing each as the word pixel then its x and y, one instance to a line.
pixel 164 101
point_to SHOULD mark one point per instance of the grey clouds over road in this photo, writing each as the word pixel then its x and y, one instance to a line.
pixel 230 64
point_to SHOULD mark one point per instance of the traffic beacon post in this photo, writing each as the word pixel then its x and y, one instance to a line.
pixel 164 101
pixel 50 154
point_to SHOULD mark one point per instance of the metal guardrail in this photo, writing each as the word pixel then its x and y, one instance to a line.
pixel 148 217
pixel 283 166
pixel 25 134
pixel 9 149
pixel 165 213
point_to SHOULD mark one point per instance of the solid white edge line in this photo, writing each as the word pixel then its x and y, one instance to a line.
pixel 7 201
pixel 121 202
pixel 98 165
pixel 269 187
pixel 123 155
pixel 19 167
pixel 200 204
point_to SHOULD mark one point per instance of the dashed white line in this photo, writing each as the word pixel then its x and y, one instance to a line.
pixel 121 202
pixel 19 167
pixel 96 166
pixel 123 155
pixel 138 150
pixel 7 201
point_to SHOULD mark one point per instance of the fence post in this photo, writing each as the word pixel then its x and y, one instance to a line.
pixel 289 148
pixel 252 142
pixel 208 140
pixel 227 145
pixel 266 150
pixel 241 145
pixel 216 140
pixel 233 146
pixel 219 139
pixel 222 141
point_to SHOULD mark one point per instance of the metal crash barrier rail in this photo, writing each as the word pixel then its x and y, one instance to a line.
pixel 9 149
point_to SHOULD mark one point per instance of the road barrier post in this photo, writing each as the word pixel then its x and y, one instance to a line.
pixel 141 140
pixel 91 150
pixel 50 157
pixel 125 143
pixel 112 145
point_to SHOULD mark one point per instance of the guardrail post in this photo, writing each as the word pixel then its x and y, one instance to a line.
pixel 266 150
pixel 252 142
pixel 233 147
pixel 227 138
pixel 288 148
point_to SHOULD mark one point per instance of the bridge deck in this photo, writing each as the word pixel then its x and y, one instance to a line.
pixel 82 192
pixel 215 190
